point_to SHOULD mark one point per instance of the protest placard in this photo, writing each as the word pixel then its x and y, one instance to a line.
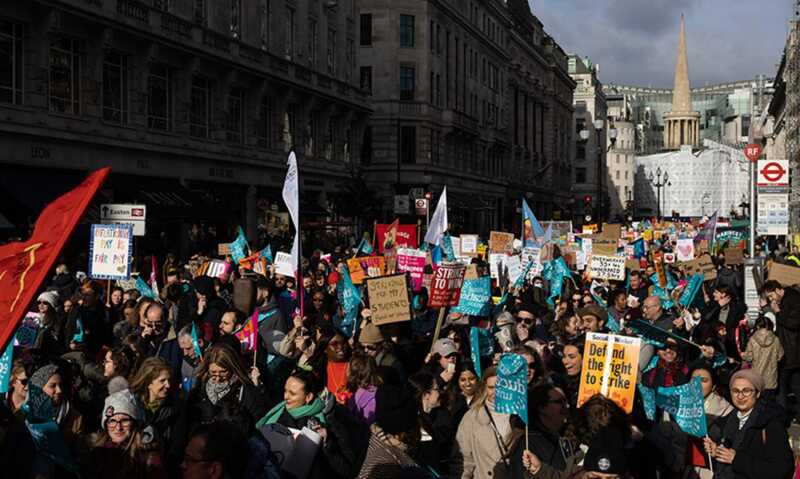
pixel 284 264
pixel 610 366
pixel 513 268
pixel 455 241
pixel 365 267
pixel 412 261
pixel 607 267
pixel 586 246
pixel 612 231
pixel 389 299
pixel 110 251
pixel 469 245
pixel 405 236
pixel 511 392
pixel 223 249
pixel 701 264
pixel 476 295
pixel 446 285
pixel 500 242
pixel 216 268
pixel 785 275
pixel 497 264
pixel 684 249
pixel 734 256
pixel 604 246
pixel 532 255
pixel 472 272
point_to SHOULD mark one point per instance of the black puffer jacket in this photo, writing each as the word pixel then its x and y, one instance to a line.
pixel 762 445
pixel 788 327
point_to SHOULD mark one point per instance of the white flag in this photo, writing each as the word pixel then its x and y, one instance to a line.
pixel 291 196
pixel 438 224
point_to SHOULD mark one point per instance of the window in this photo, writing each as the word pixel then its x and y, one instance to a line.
pixel 407 75
pixel 312 42
pixel 407 31
pixel 159 98
pixel 408 144
pixel 264 27
pixel 288 128
pixel 234 117
pixel 439 39
pixel 264 123
pixel 365 38
pixel 290 33
pixel 200 102
pixel 10 62
pixel 331 45
pixel 200 11
pixel 617 174
pixel 366 146
pixel 580 175
pixel 65 76
pixel 366 79
pixel 236 18
pixel 115 88
pixel 432 38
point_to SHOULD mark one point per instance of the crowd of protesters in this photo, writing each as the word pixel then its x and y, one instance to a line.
pixel 117 383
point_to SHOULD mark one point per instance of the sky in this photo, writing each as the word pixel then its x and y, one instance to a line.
pixel 635 41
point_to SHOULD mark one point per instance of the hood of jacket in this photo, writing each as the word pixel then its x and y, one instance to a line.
pixel 764 338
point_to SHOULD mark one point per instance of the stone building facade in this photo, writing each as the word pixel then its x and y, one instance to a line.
pixel 193 103
pixel 472 95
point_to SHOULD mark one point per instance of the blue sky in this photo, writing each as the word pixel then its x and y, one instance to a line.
pixel 635 41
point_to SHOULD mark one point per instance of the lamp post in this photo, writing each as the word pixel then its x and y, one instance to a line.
pixel 584 136
pixel 659 183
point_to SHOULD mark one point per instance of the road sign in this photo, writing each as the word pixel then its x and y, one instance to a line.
pixel 421 206
pixel 772 176
pixel 416 193
pixel 752 151
pixel 125 214
pixel 401 204
pixel 773 214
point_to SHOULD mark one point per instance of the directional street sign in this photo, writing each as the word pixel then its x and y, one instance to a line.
pixel 125 213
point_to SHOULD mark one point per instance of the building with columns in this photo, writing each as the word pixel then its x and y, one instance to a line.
pixel 194 104
pixel 681 124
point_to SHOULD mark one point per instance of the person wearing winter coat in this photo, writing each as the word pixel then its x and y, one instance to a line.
pixel 716 408
pixel 785 303
pixel 753 442
pixel 224 391
pixel 763 352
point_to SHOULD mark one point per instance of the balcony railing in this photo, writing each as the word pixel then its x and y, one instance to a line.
pixel 176 25
pixel 133 9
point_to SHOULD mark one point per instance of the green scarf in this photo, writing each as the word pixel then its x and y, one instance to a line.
pixel 313 409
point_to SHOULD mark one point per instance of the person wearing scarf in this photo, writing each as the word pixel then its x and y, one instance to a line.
pixel 300 403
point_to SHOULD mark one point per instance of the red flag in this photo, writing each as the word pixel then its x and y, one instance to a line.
pixel 24 265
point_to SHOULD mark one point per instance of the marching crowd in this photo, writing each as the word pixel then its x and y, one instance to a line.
pixel 126 383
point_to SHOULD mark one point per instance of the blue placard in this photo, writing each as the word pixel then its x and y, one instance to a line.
pixel 511 392
pixel 110 251
pixel 476 297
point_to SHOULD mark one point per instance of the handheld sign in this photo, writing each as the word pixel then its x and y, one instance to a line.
pixel 110 251
pixel 607 267
pixel 500 242
pixel 366 267
pixel 511 392
pixel 610 366
pixel 446 285
pixel 389 299
pixel 412 261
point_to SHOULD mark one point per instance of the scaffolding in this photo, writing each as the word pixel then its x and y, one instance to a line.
pixel 792 117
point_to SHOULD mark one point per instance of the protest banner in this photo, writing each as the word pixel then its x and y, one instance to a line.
pixel 701 264
pixel 405 237
pixel 607 267
pixel 284 264
pixel 561 229
pixel 691 289
pixel 110 251
pixel 476 295
pixel 511 391
pixel 513 268
pixel 684 403
pixel 446 285
pixel 684 249
pixel 785 275
pixel 469 245
pixel 365 267
pixel 610 366
pixel 412 261
pixel 500 242
pixel 734 256
pixel 389 299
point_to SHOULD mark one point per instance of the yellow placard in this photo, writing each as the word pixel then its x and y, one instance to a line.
pixel 610 366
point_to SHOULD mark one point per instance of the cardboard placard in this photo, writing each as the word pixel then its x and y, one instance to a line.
pixel 389 299
pixel 734 256
pixel 110 251
pixel 785 275
pixel 500 242
pixel 223 249
pixel 610 366
pixel 604 246
pixel 469 245
pixel 612 231
pixel 607 267
pixel 365 267
pixel 703 265
pixel 632 264
pixel 472 272
pixel 446 285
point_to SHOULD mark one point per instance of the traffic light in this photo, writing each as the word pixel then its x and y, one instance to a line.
pixel 587 200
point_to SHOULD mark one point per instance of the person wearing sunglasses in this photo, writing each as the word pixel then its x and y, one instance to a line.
pixel 754 442
pixel 18 386
pixel 122 449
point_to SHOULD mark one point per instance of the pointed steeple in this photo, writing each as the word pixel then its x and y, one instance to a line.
pixel 681 95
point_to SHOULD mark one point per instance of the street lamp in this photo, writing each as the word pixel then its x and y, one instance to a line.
pixel 659 183
pixel 584 135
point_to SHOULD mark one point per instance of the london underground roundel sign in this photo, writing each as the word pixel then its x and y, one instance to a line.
pixel 773 173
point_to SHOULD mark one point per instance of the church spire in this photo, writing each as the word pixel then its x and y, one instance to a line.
pixel 681 96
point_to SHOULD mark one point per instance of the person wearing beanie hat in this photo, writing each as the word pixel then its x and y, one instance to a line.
pixel 48 380
pixel 372 342
pixel 370 335
pixel 593 318
pixel 395 432
pixel 50 298
pixel 606 455
pixel 120 403
pixel 753 441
